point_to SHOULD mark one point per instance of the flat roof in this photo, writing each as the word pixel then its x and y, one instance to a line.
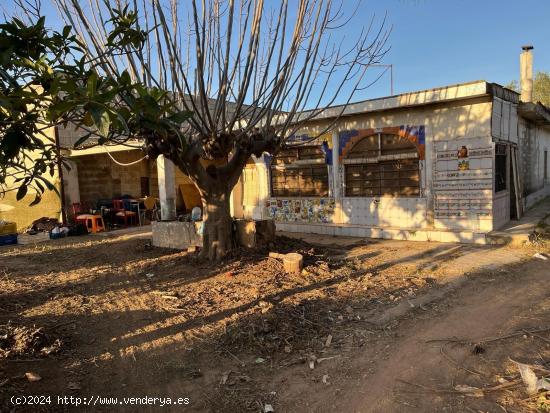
pixel 448 93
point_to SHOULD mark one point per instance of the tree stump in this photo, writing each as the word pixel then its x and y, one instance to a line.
pixel 292 262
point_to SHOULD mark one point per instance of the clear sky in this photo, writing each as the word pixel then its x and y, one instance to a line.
pixel 440 42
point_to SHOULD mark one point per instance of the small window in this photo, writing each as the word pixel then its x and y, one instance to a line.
pixel 382 165
pixel 386 178
pixel 299 172
pixel 500 168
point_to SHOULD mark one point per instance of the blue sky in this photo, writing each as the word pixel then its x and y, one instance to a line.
pixel 440 42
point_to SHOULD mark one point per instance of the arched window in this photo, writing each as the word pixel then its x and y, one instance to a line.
pixel 382 165
pixel 299 172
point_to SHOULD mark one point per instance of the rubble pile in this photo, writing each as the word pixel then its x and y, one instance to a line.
pixel 20 341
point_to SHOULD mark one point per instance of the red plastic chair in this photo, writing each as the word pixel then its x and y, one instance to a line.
pixel 121 213
pixel 80 208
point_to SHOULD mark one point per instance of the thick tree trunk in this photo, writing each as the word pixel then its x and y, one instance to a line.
pixel 215 184
pixel 217 221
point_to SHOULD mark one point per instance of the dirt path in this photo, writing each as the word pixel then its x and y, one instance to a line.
pixel 137 321
pixel 488 305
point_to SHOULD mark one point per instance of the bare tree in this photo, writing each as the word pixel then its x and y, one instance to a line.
pixel 251 74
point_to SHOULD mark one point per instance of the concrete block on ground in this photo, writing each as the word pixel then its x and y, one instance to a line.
pixel 176 235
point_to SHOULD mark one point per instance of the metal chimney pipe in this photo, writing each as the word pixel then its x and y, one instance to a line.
pixel 526 73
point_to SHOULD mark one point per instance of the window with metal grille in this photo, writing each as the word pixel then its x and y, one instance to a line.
pixel 299 172
pixel 382 165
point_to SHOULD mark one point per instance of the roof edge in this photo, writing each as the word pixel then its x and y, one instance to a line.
pixel 449 93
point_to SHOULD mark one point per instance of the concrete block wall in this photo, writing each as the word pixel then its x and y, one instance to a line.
pixel 100 177
pixel 176 235
pixel 537 196
pixel 533 141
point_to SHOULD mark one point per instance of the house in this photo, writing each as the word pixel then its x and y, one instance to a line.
pixel 447 164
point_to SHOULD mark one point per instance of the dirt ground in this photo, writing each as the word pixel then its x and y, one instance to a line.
pixel 368 326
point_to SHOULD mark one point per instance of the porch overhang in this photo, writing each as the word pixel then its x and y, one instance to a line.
pixel 103 149
pixel 535 112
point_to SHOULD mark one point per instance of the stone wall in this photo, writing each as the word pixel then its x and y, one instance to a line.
pixel 176 235
pixel 101 178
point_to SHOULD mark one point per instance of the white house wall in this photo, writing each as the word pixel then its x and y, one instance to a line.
pixel 454 205
pixel 504 129
pixel 463 184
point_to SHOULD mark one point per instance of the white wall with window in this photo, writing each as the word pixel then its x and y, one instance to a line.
pixel 300 171
pixel 382 165
pixel 385 182
pixel 381 176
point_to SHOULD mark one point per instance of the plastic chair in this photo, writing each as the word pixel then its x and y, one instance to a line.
pixel 122 213
pixel 80 208
pixel 105 203
pixel 151 207
pixel 93 223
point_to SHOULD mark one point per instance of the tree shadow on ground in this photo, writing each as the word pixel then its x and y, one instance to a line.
pixel 125 351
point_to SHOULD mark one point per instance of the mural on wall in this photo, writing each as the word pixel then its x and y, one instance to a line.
pixel 463 179
pixel 413 133
pixel 314 210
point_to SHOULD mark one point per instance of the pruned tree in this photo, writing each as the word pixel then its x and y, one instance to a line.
pixel 250 75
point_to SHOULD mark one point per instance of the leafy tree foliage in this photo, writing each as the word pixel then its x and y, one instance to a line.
pixel 541 87
pixel 46 79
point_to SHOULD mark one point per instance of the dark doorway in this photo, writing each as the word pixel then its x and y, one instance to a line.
pixel 545 166
pixel 500 168
pixel 144 184
pixel 513 205
pixel 516 209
